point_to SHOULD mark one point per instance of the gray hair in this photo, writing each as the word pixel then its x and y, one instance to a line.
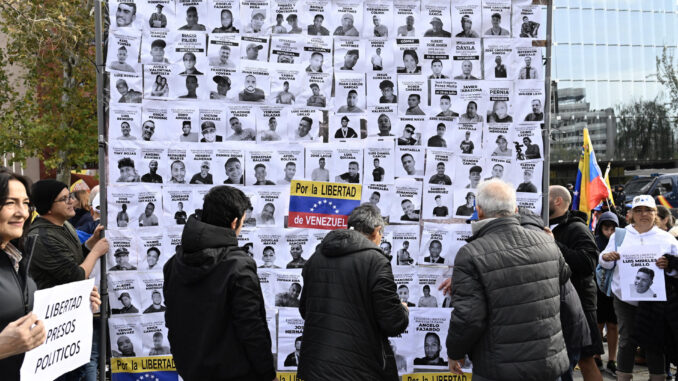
pixel 496 198
pixel 365 218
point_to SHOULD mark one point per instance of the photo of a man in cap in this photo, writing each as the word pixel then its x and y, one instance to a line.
pixel 127 95
pixel 158 19
pixel 466 31
pixel 468 207
pixel 474 177
pixel 315 64
pixel 351 103
pixel 467 145
pixel 148 218
pixel 292 21
pixel 223 86
pixel 527 186
pixel 125 14
pixel 252 51
pixel 346 28
pixel 192 21
pixel 152 176
pixel 157 305
pixel 285 97
pixel 186 134
pixel 122 260
pixel 407 138
pixel 127 306
pixel 223 60
pixel 387 93
pixel 440 178
pixel 191 87
pixel 251 93
pixel 345 132
pixel 180 216
pixel 226 23
pixel 317 29
pixel 239 133
pixel 317 99
pixel 121 64
pixel 128 174
pixel 158 51
pixel 257 22
pixel 204 176
pixel 437 29
pixel 439 210
pixel 209 132
pixel 352 176
pixel 379 29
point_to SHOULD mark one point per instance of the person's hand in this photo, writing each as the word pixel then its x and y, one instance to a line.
pixel 548 231
pixel 95 299
pixel 455 366
pixel 446 286
pixel 100 248
pixel 611 256
pixel 22 335
pixel 663 262
pixel 96 236
pixel 405 304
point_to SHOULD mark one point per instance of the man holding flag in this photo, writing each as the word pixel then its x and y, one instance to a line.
pixel 579 247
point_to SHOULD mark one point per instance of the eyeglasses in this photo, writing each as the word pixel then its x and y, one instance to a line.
pixel 409 131
pixel 66 199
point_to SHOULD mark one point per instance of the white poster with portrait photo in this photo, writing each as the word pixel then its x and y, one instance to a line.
pixel 287 50
pixel 437 60
pixel 499 168
pixel 298 246
pixel 470 102
pixel 290 336
pixel 254 48
pixel 124 122
pixel 125 333
pixel 241 124
pixel 467 139
pixel 436 242
pixel 639 277
pixel 188 87
pixel 406 205
pixel 382 120
pixel 157 84
pixel 527 20
pixel 527 61
pixel 177 201
pixel 466 59
pixel 440 166
pixel 530 201
pixel 379 161
pixel 291 159
pixel 254 17
pixel 155 124
pixel 406 285
pixel 496 139
pixel 150 290
pixel 260 166
pixel 316 54
pixel 317 90
pixel 527 141
pixel 379 195
pixel 460 233
pixel 286 84
pixel 176 157
pixel 220 82
pixel 469 171
pixel 158 14
pixel 122 251
pixel 437 201
pixel 190 52
pixel 378 19
pixel 285 17
pixel 317 17
pixel 435 19
pixel 404 243
pixel 466 19
pixel 412 91
pixel 429 279
pixel 123 50
pixel 223 51
pixel 183 123
pixel 272 322
pixel 382 89
pixel 200 164
pixel 154 335
pixel 443 98
pixel 127 86
pixel 464 203
pixel 349 55
pixel 498 54
pixel 529 102
pixel 347 18
pixel 408 55
pixel 319 160
pixel 410 161
pixel 429 327
pixel 157 46
pixel 349 93
pixel 229 166
pixel 191 15
pixel 347 164
pixel 303 125
pixel 288 286
pixel 212 122
pixel 268 248
pixel 123 15
pixel 223 17
pixel 267 283
pixel 173 236
pixel 402 351
pixel 499 102
pixel 496 18
pixel 246 240
pixel 381 55
pixel 256 82
pixel 121 205
pixel 410 130
pixel 124 293
pixel 149 202
pixel 344 127
pixel 527 176
pixel 271 123
pixel 124 162
pixel 438 132
pixel 406 18
pixel 153 167
pixel 271 205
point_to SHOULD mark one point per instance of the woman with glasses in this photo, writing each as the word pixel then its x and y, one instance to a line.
pixel 20 329
pixel 641 232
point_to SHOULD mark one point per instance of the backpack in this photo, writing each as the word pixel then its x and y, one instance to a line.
pixel 603 275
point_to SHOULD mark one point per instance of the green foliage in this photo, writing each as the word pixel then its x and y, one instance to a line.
pixel 667 76
pixel 48 106
pixel 645 131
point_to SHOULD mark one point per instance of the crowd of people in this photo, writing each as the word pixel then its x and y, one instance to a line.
pixel 526 300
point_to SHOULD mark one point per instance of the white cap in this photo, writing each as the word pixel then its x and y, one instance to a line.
pixel 643 200
pixel 96 203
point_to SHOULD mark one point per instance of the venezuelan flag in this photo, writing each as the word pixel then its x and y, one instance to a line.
pixel 607 183
pixel 590 188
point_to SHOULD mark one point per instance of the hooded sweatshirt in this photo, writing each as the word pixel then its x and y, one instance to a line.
pixel 215 309
pixel 601 240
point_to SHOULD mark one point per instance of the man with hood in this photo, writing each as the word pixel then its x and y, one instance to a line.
pixel 225 338
pixel 348 282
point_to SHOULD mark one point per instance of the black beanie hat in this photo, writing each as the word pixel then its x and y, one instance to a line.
pixel 43 194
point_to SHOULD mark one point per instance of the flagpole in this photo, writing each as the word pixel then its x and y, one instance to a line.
pixel 546 131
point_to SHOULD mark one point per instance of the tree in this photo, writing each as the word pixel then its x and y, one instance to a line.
pixel 54 119
pixel 667 76
pixel 645 131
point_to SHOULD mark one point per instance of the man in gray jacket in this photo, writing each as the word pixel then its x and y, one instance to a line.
pixel 506 296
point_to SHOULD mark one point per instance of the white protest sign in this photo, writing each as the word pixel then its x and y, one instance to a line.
pixel 640 277
pixel 65 311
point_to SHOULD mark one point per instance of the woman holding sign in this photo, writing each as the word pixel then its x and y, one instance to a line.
pixel 642 232
pixel 20 330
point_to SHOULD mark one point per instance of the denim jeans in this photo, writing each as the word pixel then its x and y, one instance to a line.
pixel 573 357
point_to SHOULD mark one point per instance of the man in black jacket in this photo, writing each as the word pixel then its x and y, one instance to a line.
pixel 350 306
pixel 215 309
pixel 580 251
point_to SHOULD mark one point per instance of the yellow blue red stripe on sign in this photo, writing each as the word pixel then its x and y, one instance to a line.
pixel 321 205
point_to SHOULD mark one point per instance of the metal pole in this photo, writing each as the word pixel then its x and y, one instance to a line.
pixel 103 284
pixel 546 131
